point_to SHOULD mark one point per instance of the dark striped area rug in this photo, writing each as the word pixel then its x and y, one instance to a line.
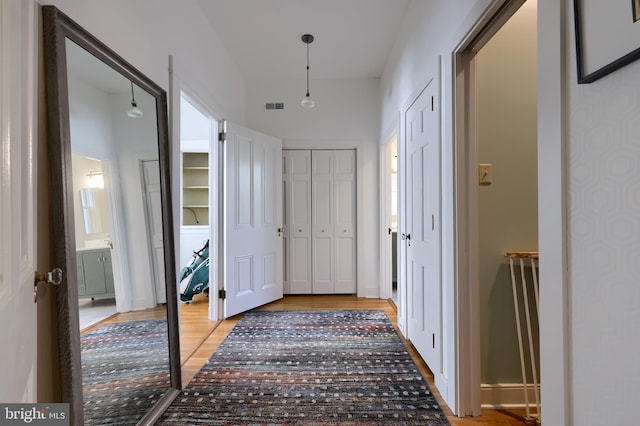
pixel 125 371
pixel 308 368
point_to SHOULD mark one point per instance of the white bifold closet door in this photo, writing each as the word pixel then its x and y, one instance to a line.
pixel 296 196
pixel 320 221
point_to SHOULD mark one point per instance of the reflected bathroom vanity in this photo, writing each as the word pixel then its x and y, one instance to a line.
pixel 95 273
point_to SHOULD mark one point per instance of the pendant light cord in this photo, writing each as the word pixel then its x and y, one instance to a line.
pixel 307 69
pixel 133 98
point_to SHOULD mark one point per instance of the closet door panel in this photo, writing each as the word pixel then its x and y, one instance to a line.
pixel 345 219
pixel 323 281
pixel 297 229
pixel 345 265
pixel 323 219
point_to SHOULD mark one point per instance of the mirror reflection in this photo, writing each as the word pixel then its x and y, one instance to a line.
pixel 119 243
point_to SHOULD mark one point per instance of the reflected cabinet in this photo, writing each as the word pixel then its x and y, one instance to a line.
pixel 95 273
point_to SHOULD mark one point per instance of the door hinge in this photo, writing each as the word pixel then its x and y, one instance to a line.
pixel 433 223
pixel 432 104
pixel 433 340
pixel 222 294
pixel 222 136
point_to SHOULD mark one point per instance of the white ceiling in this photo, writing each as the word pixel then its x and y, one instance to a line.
pixel 353 38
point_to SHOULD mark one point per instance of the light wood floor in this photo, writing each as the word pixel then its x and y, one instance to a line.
pixel 200 337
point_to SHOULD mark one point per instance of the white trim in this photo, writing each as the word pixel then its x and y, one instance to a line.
pixel 552 186
pixel 466 236
pixel 505 396
pixel 120 252
pixel 402 220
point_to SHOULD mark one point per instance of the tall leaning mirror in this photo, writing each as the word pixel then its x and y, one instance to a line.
pixel 112 230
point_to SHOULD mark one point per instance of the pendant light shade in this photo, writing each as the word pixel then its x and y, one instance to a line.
pixel 307 102
pixel 134 111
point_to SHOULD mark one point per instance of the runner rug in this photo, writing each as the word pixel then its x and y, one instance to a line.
pixel 308 368
pixel 125 371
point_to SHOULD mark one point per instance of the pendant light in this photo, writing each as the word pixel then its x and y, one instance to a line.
pixel 307 102
pixel 134 111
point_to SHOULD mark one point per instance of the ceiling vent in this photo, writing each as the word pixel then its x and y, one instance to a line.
pixel 274 105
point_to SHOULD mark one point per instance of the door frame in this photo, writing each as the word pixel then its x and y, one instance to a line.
pixel 119 252
pixel 554 329
pixel 358 146
pixel 386 268
pixel 147 208
pixel 180 90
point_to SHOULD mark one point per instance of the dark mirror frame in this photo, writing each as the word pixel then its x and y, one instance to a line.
pixel 57 27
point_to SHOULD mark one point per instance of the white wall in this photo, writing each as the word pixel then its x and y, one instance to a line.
pixel 146 32
pixel 603 234
pixel 91 131
pixel 346 115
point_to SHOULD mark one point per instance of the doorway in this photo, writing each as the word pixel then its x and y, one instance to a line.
pixel 198 234
pixel 497 195
pixel 389 218
pixel 506 107
pixel 96 290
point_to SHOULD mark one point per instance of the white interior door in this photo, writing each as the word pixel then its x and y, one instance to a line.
pixel 423 228
pixel 297 220
pixel 18 130
pixel 153 207
pixel 253 219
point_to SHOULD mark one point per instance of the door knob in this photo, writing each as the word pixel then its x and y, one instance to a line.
pixel 280 231
pixel 53 277
pixel 409 240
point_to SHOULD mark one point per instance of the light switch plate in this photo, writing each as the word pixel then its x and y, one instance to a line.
pixel 485 174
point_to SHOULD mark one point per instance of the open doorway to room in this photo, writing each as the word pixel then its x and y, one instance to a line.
pixel 497 197
pixel 97 298
pixel 506 106
pixel 389 218
pixel 198 225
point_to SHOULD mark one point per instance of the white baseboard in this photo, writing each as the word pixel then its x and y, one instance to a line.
pixel 507 395
pixel 369 292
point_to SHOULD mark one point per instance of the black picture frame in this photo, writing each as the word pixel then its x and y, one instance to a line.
pixel 584 18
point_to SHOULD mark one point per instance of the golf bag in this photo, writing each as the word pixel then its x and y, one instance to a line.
pixel 194 277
